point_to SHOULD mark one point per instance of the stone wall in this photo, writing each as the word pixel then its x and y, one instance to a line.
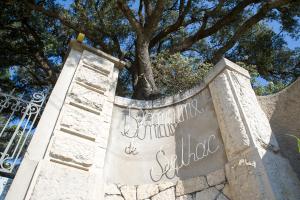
pixel 184 136
pixel 254 168
pixel 74 159
pixel 179 147
pixel 65 159
pixel 283 111
pixel 213 186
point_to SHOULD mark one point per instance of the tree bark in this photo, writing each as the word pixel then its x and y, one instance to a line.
pixel 144 84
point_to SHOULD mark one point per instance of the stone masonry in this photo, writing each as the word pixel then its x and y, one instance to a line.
pixel 77 149
pixel 74 156
pixel 67 154
pixel 213 186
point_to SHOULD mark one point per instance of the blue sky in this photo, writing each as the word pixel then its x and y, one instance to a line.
pixel 292 43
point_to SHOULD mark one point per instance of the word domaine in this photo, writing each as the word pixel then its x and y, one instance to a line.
pixel 148 124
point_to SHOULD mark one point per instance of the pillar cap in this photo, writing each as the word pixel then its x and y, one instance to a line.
pixel 223 64
pixel 80 47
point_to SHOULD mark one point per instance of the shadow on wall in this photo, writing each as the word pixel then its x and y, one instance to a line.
pixel 283 112
pixel 4 186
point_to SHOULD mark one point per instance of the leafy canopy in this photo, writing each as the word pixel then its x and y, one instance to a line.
pixel 187 37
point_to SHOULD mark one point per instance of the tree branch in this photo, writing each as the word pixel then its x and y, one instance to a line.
pixel 140 13
pixel 261 14
pixel 38 55
pixel 40 81
pixel 153 20
pixel 69 24
pixel 174 27
pixel 148 8
pixel 130 16
pixel 202 32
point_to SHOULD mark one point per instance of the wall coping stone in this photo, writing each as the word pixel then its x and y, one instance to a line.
pixel 177 98
pixel 74 44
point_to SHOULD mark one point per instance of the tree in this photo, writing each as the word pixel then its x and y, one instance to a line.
pixel 31 46
pixel 138 31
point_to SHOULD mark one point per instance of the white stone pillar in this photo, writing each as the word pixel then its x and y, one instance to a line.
pixel 67 153
pixel 254 165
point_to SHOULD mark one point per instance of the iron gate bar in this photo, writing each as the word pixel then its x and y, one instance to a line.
pixel 29 110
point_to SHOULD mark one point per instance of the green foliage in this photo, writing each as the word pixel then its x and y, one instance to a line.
pixel 32 46
pixel 34 41
pixel 270 88
pixel 259 88
pixel 298 141
pixel 176 73
pixel 268 52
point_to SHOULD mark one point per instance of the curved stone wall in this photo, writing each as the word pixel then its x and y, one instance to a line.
pixel 283 111
pixel 165 142
pixel 168 148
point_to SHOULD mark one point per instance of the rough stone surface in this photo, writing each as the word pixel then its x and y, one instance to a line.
pixel 220 186
pixel 81 121
pixel 71 115
pixel 208 194
pixel 282 180
pixel 283 111
pixel 165 185
pixel 259 126
pixel 226 191
pixel 216 177
pixel 185 197
pixel 59 182
pixel 146 191
pixel 251 173
pixel 222 197
pixel 97 62
pixel 71 148
pixel 129 192
pixel 106 113
pixel 229 117
pixel 114 197
pixel 167 194
pixel 151 192
pixel 85 96
pixel 190 185
pixel 111 189
pixel 100 157
pixel 247 177
pixel 92 78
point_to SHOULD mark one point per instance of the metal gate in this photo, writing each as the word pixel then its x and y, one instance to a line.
pixel 18 119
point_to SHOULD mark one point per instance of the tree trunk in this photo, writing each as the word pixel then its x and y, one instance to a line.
pixel 144 84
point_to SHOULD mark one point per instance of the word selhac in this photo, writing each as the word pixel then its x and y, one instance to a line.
pixel 169 166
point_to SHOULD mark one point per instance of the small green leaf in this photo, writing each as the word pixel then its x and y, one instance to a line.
pixel 298 141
